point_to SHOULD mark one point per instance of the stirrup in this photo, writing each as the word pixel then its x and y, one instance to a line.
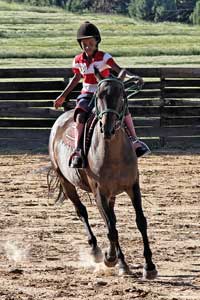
pixel 77 159
pixel 143 150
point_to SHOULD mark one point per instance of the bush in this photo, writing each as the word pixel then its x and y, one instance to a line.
pixel 164 10
pixel 141 9
pixel 195 16
pixel 105 6
pixel 185 9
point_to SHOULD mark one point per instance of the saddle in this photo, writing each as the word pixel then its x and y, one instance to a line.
pixel 69 137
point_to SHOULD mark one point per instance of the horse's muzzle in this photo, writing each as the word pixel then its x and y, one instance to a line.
pixel 107 131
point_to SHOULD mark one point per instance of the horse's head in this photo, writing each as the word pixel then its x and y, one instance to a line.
pixel 110 103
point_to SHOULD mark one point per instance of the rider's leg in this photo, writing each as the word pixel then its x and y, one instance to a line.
pixel 129 123
pixel 80 121
pixel 77 157
pixel 140 147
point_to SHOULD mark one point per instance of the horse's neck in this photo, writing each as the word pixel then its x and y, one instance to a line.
pixel 114 150
pixel 112 163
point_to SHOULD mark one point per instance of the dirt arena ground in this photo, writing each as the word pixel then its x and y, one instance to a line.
pixel 44 251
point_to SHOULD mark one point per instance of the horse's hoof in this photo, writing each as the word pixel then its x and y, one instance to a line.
pixel 149 275
pixel 110 262
pixel 97 254
pixel 124 271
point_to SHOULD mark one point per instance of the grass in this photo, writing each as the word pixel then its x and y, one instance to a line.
pixel 38 36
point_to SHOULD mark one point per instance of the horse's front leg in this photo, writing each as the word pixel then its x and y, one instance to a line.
pixel 107 214
pixel 114 254
pixel 149 271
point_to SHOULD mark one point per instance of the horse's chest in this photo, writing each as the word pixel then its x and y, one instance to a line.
pixel 116 181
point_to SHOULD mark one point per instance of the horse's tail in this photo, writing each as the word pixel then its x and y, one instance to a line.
pixel 54 185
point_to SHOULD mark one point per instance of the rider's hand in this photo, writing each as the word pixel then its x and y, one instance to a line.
pixel 59 101
pixel 139 81
pixel 136 79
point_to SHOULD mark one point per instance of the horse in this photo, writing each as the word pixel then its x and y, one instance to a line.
pixel 111 169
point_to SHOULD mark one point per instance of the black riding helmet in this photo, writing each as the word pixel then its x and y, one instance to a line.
pixel 88 30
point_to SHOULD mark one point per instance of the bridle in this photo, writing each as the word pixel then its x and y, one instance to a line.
pixel 120 115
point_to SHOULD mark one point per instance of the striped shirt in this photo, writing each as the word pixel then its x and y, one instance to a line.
pixel 101 60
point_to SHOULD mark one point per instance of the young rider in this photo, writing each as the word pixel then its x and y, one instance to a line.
pixel 88 37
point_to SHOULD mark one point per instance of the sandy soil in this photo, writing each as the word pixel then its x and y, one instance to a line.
pixel 44 251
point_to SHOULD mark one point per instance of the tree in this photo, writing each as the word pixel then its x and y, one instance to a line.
pixel 153 10
pixel 122 6
pixel 195 16
pixel 105 6
pixel 185 9
pixel 79 5
pixel 164 10
pixel 141 9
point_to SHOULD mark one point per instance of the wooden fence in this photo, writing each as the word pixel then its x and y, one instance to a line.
pixel 166 112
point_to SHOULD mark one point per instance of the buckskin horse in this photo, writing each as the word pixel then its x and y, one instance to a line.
pixel 111 169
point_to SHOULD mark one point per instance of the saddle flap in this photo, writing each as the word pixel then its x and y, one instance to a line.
pixel 69 137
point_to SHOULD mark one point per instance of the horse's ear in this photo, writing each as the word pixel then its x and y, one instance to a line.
pixel 122 75
pixel 97 74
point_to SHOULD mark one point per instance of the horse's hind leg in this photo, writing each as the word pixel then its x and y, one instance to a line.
pixel 150 271
pixel 70 192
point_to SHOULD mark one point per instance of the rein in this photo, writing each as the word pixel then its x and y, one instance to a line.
pixel 128 85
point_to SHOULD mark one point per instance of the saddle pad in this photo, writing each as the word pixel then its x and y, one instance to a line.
pixel 69 137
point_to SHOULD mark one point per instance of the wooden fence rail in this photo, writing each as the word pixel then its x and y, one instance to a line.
pixel 166 112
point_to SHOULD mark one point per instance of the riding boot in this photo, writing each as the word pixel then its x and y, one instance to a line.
pixel 140 147
pixel 77 159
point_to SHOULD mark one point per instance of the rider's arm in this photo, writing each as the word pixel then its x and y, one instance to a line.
pixel 118 69
pixel 71 85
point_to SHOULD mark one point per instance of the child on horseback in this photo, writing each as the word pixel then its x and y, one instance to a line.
pixel 88 37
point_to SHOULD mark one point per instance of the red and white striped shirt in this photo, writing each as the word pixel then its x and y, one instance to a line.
pixel 101 60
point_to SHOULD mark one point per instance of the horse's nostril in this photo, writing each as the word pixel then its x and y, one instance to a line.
pixel 108 133
pixel 113 131
pixel 101 126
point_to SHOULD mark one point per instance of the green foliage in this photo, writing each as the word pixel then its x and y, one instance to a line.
pixel 41 3
pixel 148 10
pixel 106 6
pixel 195 17
pixel 185 9
pixel 164 10
pixel 141 9
pixel 153 10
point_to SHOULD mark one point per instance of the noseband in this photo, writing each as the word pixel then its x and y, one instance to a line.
pixel 120 115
